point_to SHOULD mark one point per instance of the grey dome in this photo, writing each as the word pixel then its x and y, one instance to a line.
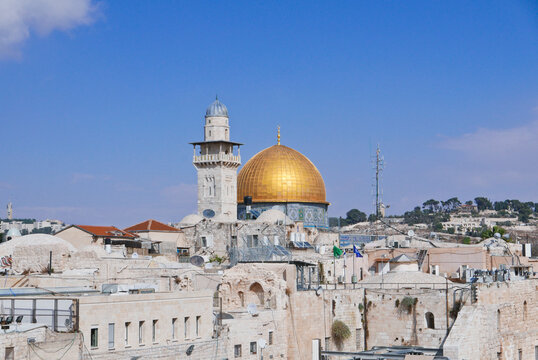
pixel 217 109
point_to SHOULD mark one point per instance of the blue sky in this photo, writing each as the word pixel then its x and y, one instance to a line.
pixel 99 99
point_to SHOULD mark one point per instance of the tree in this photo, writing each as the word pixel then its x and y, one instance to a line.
pixel 355 216
pixel 483 203
pixel 469 202
pixel 372 218
pixel 451 204
pixel 432 205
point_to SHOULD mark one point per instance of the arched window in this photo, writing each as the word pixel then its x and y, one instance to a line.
pixel 256 293
pixel 430 320
pixel 525 310
pixel 498 318
pixel 241 298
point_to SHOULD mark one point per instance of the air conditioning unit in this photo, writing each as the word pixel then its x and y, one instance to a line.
pixel 340 279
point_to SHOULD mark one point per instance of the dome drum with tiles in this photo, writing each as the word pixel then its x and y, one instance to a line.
pixel 283 179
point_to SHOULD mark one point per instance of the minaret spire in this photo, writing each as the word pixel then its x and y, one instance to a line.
pixel 278 135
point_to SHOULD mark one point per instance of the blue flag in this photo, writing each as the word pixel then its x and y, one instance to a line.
pixel 357 253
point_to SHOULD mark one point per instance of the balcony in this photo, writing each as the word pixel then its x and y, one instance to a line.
pixel 214 158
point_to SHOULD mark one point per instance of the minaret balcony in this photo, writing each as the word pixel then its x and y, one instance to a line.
pixel 214 158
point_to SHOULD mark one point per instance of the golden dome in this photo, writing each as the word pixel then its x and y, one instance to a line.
pixel 280 174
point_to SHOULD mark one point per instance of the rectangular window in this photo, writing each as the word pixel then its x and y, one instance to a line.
pixel 253 347
pixel 270 338
pixel 357 339
pixel 204 241
pixel 174 328
pixel 111 336
pixel 186 327
pixel 140 332
pixel 94 337
pixel 127 324
pixel 154 331
pixel 198 326
pixel 10 353
pixel 237 351
pixel 327 343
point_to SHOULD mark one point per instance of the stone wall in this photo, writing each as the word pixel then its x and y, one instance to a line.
pixel 502 324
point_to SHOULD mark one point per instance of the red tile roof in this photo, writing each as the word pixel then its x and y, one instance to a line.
pixel 151 225
pixel 105 231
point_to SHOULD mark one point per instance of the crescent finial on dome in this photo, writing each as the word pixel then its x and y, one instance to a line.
pixel 278 135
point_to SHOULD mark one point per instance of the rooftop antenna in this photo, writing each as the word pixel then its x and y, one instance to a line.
pixel 379 165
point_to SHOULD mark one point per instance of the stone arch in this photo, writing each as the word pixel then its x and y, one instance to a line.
pixel 256 294
pixel 430 320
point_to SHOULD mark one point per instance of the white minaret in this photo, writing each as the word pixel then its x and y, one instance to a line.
pixel 217 166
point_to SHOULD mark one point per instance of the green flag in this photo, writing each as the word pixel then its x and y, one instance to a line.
pixel 337 252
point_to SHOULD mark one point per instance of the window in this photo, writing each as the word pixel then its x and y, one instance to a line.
pixel 127 324
pixel 198 326
pixel 327 343
pixel 174 325
pixel 520 354
pixel 357 339
pixel 524 310
pixel 237 351
pixel 270 338
pixel 536 352
pixel 10 353
pixel 141 332
pixel 111 336
pixel 154 331
pixel 430 320
pixel 253 347
pixel 204 241
pixel 186 326
pixel 94 337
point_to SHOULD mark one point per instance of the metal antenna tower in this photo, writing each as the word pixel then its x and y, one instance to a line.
pixel 379 165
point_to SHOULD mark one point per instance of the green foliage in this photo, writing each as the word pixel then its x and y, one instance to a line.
pixel 466 240
pixel 353 216
pixel 451 230
pixel 217 259
pixel 340 332
pixel 483 203
pixel 372 218
pixel 455 309
pixel 397 303
pixel 407 304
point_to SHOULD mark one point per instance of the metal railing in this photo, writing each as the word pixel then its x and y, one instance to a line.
pixel 216 157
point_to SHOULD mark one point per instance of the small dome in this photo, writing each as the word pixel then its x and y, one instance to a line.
pixel 216 109
pixel 190 220
pixel 13 233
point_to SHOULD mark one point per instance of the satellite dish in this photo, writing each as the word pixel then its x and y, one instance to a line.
pixel 411 233
pixel 208 213
pixel 497 236
pixel 197 260
pixel 318 290
pixel 252 309
pixel 262 343
pixel 134 256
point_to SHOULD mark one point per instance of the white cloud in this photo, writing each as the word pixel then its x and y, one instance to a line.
pixel 492 145
pixel 498 160
pixel 20 18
